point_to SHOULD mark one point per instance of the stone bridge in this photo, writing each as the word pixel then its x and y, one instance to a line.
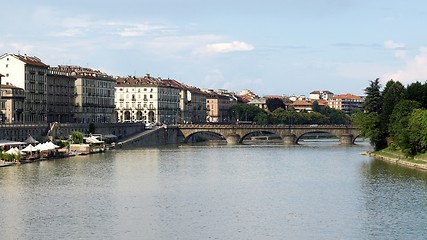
pixel 290 134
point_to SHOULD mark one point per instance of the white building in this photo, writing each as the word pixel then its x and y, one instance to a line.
pixel 317 95
pixel 146 99
pixel 30 74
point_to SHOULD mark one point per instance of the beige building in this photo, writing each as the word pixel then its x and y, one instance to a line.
pixel 30 74
pixel 346 102
pixel 94 94
pixel 260 102
pixel 61 98
pixel 146 99
pixel 12 104
pixel 217 106
pixel 192 104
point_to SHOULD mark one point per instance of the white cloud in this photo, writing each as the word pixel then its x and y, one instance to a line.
pixel 72 32
pixel 393 45
pixel 235 46
pixel 414 70
pixel 139 30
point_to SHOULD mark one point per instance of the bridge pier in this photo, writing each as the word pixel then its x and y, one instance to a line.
pixel 232 139
pixel 289 139
pixel 346 139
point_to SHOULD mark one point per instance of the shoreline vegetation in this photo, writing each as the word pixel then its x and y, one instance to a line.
pixel 393 156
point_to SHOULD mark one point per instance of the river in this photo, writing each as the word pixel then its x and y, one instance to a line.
pixel 310 191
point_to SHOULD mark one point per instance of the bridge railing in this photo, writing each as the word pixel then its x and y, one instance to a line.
pixel 264 126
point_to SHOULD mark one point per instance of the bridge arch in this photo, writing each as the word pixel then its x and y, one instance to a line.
pixel 290 134
pixel 315 135
pixel 261 135
pixel 210 135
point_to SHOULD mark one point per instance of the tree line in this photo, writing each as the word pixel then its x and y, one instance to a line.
pixel 395 116
pixel 278 113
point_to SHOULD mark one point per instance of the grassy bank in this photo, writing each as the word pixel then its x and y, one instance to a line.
pixel 397 157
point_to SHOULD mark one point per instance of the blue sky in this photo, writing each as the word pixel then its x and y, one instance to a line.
pixel 276 47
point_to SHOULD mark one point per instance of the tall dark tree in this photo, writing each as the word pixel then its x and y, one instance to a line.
pixel 393 93
pixel 275 103
pixel 417 92
pixel 315 106
pixel 372 122
pixel 373 100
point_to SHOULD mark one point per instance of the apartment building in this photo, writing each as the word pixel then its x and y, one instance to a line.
pixel 94 93
pixel 192 103
pixel 259 102
pixel 217 106
pixel 146 99
pixel 12 104
pixel 346 102
pixel 1 102
pixel 61 97
pixel 317 95
pixel 30 74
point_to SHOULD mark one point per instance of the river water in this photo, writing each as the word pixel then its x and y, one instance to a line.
pixel 311 191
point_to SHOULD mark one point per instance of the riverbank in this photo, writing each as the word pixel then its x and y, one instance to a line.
pixel 418 162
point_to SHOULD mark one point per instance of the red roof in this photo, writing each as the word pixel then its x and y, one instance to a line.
pixel 33 61
pixel 346 96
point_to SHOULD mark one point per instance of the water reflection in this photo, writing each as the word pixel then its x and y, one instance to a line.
pixel 395 201
pixel 313 191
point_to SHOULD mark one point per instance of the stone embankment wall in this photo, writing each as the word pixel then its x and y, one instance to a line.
pixel 40 131
pixel 400 162
pixel 158 137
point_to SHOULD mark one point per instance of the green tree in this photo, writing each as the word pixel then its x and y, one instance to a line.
pixel 399 124
pixel 393 93
pixel 418 130
pixel 262 118
pixel 244 112
pixel 417 92
pixel 370 126
pixel 372 123
pixel 275 103
pixel 77 137
pixel 373 100
pixel 315 106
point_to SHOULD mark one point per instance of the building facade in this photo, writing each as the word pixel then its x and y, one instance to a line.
pixel 12 105
pixel 61 97
pixel 146 99
pixel 317 95
pixel 260 102
pixel 93 91
pixel 192 104
pixel 346 102
pixel 217 106
pixel 30 74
